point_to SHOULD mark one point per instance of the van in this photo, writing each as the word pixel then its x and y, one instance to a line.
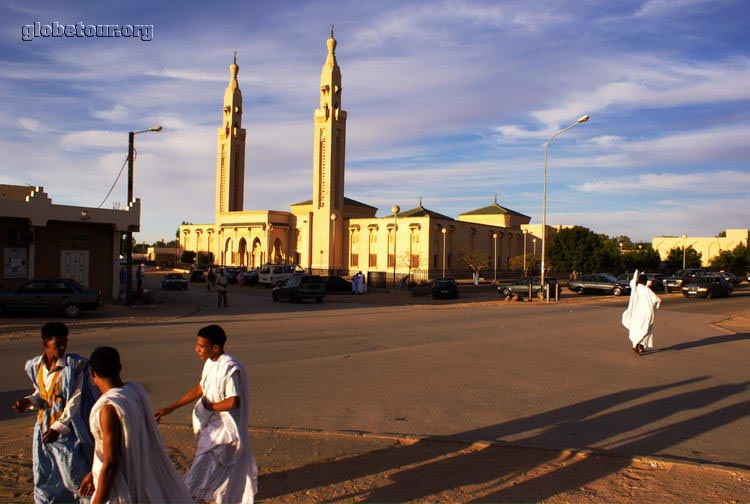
pixel 271 274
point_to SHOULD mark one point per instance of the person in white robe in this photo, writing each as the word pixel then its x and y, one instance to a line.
pixel 638 318
pixel 356 279
pixel 224 469
pixel 130 463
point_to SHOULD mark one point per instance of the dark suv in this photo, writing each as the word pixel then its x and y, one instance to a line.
pixel 680 278
pixel 300 287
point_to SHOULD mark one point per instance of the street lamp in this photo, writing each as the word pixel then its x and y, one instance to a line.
pixel 129 233
pixel 582 119
pixel 395 209
pixel 684 242
pixel 445 232
pixel 533 240
pixel 494 257
pixel 333 223
pixel 620 244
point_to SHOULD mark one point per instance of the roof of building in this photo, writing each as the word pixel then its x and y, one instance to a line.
pixel 494 209
pixel 421 211
pixel 347 201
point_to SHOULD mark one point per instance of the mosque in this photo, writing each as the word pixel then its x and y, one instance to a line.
pixel 333 233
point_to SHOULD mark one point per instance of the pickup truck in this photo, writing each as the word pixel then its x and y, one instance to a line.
pixel 676 281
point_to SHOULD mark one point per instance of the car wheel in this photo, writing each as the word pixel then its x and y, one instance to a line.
pixel 71 310
pixel 617 291
pixel 319 300
pixel 274 297
pixel 709 295
pixel 685 294
pixel 579 290
pixel 506 293
pixel 667 290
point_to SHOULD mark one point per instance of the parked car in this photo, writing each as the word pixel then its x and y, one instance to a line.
pixel 337 284
pixel 730 277
pixel 299 288
pixel 174 281
pixel 707 287
pixel 231 274
pixel 656 279
pixel 675 282
pixel 198 276
pixel 251 276
pixel 57 295
pixel 271 274
pixel 521 287
pixel 603 283
pixel 444 287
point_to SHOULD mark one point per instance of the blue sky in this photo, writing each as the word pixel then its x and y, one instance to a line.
pixel 448 100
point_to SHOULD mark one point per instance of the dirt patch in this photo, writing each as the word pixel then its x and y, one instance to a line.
pixel 308 467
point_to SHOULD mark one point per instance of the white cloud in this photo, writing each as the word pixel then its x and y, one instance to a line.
pixel 118 113
pixel 659 7
pixel 720 182
pixel 29 124
pixel 93 139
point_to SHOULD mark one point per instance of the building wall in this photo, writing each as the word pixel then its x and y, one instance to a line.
pixel 709 247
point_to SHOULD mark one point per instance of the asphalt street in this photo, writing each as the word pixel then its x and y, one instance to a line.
pixel 554 376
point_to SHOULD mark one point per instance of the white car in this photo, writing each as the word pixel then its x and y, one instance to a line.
pixel 272 274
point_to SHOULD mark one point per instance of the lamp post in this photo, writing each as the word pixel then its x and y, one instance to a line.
pixel 494 257
pixel 533 241
pixel 333 259
pixel 582 119
pixel 525 235
pixel 395 209
pixel 129 233
pixel 445 232
pixel 684 242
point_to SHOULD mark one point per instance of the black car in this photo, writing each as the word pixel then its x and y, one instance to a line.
pixel 198 276
pixel 337 284
pixel 602 283
pixel 58 295
pixel 299 288
pixel 444 288
pixel 174 281
pixel 656 280
pixel 707 287
pixel 521 287
pixel 251 276
pixel 683 276
pixel 231 274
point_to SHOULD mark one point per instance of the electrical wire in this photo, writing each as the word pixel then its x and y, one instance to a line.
pixel 117 178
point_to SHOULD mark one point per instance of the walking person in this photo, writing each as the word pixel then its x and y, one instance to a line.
pixel 224 468
pixel 210 279
pixel 130 463
pixel 638 318
pixel 63 396
pixel 221 288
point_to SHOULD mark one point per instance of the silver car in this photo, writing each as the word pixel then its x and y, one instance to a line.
pixel 57 295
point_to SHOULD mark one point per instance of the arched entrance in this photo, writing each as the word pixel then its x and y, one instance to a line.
pixel 278 251
pixel 227 255
pixel 256 256
pixel 242 252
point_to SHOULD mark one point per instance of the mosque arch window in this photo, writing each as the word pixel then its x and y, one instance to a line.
pixel 373 248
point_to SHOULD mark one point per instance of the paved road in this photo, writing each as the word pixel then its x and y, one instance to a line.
pixel 556 376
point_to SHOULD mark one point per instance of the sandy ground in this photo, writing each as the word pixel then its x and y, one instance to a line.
pixel 307 467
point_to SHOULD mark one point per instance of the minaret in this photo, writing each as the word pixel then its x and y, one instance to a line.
pixel 230 156
pixel 328 167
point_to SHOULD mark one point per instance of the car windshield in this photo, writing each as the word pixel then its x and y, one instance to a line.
pixel 444 283
pixel 609 277
pixel 312 280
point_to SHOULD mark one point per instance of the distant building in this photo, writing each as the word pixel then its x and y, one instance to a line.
pixel 331 232
pixel 708 247
pixel 45 240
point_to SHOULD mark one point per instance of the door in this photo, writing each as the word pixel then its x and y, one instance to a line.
pixel 75 264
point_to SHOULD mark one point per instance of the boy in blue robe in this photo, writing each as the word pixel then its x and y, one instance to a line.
pixel 63 397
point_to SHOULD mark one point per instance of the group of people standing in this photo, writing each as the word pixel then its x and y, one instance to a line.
pixel 96 436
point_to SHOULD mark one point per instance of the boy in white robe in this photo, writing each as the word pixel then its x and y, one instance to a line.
pixel 638 318
pixel 130 464
pixel 224 469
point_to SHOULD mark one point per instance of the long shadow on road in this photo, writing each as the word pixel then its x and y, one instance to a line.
pixel 590 419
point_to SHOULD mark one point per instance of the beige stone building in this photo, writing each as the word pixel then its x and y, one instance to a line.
pixel 708 247
pixel 331 232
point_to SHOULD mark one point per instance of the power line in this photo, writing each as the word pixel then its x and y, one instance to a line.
pixel 117 178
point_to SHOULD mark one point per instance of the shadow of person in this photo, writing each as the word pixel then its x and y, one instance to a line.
pixel 326 473
pixel 713 340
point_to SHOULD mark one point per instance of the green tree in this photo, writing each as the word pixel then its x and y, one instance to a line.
pixel 580 249
pixel 737 261
pixel 205 258
pixel 140 248
pixel 517 262
pixel 188 257
pixel 644 259
pixel 474 259
pixel 692 258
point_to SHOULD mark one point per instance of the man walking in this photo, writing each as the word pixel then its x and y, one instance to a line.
pixel 224 468
pixel 63 396
pixel 221 288
pixel 130 464
pixel 638 318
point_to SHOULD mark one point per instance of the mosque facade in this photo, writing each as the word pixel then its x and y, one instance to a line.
pixel 333 233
